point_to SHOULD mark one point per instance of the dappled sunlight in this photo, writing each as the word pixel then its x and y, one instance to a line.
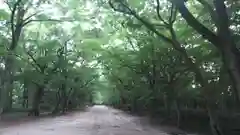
pixel 70 62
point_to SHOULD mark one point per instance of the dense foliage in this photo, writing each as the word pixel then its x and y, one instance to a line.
pixel 144 56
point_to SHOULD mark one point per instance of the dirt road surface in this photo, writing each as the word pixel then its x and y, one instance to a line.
pixel 97 120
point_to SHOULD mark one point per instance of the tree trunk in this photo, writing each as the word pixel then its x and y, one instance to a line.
pixel 56 109
pixel 213 118
pixel 201 80
pixel 36 102
pixel 9 81
pixel 166 104
pixel 230 53
pixel 16 28
pixel 223 40
pixel 64 97
pixel 230 60
pixel 178 111
pixel 205 32
pixel 25 97
pixel 64 106
pixel 6 93
pixel 58 98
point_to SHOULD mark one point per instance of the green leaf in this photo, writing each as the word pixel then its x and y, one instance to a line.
pixel 3 15
pixel 137 3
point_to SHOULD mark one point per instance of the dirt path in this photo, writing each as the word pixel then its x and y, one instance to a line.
pixel 97 120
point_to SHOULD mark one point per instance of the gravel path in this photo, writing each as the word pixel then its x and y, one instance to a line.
pixel 97 120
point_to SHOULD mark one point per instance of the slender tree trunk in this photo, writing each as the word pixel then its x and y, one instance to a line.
pixel 178 111
pixel 58 98
pixel 56 109
pixel 64 97
pixel 64 105
pixel 167 104
pixel 64 101
pixel 213 118
pixel 25 97
pixel 36 102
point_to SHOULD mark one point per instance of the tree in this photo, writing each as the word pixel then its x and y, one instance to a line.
pixel 223 39
pixel 167 26
pixel 152 57
pixel 41 47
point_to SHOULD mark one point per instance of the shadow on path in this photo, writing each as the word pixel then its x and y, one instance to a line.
pixel 97 120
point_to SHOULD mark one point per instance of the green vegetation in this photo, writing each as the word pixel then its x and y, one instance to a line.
pixel 178 59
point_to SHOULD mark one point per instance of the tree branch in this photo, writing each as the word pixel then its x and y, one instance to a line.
pixel 131 43
pixel 10 8
pixel 158 13
pixel 146 23
pixel 34 60
pixel 223 20
pixel 29 17
pixel 89 81
pixel 12 20
pixel 48 20
pixel 19 56
pixel 194 23
pixel 173 15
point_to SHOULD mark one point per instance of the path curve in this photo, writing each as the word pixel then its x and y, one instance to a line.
pixel 97 120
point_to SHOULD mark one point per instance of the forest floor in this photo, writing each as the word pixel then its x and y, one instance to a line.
pixel 96 120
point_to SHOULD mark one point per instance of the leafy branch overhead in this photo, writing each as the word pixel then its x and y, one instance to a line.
pixel 156 56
